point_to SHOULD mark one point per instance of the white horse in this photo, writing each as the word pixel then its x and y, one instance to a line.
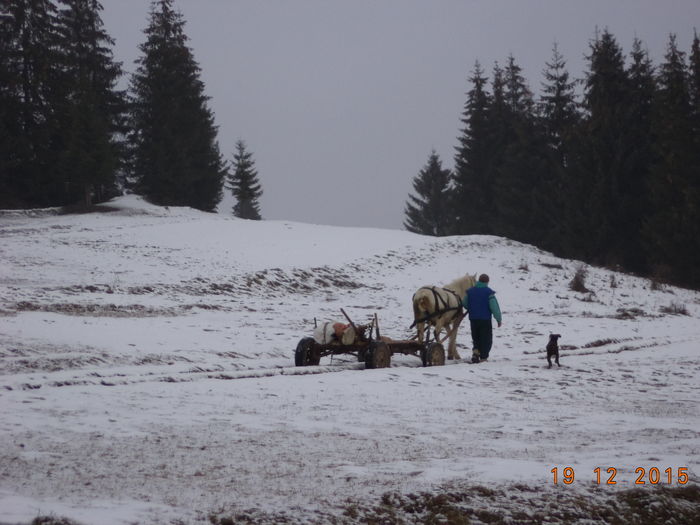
pixel 441 307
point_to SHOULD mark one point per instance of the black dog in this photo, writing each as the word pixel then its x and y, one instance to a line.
pixel 553 349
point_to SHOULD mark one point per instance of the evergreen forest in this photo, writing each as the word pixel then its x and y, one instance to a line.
pixel 603 168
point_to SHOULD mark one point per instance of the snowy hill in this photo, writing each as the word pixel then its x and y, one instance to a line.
pixel 147 370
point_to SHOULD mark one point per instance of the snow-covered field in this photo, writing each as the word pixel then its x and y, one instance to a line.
pixel 147 372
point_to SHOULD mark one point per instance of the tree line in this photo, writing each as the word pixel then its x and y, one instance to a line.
pixel 69 135
pixel 610 176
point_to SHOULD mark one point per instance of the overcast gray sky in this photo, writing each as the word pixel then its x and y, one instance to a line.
pixel 341 102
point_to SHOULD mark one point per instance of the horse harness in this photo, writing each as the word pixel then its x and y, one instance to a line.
pixel 440 301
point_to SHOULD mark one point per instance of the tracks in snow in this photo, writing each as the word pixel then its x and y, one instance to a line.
pixel 43 373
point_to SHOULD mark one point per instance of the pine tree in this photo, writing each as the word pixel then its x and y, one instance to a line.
pixel 244 184
pixel 499 133
pixel 558 117
pixel 634 203
pixel 426 212
pixel 600 173
pixel 693 188
pixel 9 111
pixel 695 69
pixel 558 109
pixel 498 136
pixel 175 156
pixel 520 157
pixel 673 227
pixel 92 109
pixel 472 160
pixel 695 94
pixel 517 95
pixel 29 68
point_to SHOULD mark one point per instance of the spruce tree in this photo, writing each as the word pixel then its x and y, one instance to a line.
pixel 518 95
pixel 426 211
pixel 29 62
pixel 558 117
pixel 9 111
pixel 521 159
pixel 693 188
pixel 634 203
pixel 175 155
pixel 244 184
pixel 557 107
pixel 600 174
pixel 694 70
pixel 498 136
pixel 695 73
pixel 470 196
pixel 673 227
pixel 92 110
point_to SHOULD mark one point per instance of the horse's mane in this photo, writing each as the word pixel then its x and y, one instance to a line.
pixel 462 284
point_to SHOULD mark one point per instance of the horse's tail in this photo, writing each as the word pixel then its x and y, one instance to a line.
pixel 424 305
pixel 421 306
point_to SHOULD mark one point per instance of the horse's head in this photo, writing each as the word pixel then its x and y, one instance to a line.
pixel 469 282
pixel 462 284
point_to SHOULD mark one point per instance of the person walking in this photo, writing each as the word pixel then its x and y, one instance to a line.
pixel 481 304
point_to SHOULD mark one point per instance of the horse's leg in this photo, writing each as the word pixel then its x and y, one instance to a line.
pixel 451 334
pixel 453 343
pixel 439 328
pixel 418 314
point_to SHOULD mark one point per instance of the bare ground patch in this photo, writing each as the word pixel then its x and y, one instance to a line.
pixel 515 504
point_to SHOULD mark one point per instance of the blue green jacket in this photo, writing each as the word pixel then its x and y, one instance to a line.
pixel 481 303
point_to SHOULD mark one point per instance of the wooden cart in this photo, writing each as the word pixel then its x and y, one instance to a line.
pixel 375 352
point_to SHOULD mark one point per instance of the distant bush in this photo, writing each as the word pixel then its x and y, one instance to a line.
pixel 675 309
pixel 552 266
pixel 53 520
pixel 630 313
pixel 613 281
pixel 578 283
pixel 656 286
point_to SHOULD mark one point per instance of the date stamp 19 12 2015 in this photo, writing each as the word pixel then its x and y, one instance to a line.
pixel 643 475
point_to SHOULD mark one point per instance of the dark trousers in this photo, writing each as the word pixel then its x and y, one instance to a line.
pixel 482 336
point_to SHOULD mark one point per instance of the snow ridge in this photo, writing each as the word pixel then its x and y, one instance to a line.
pixel 147 370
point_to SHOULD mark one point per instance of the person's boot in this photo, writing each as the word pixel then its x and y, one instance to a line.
pixel 475 356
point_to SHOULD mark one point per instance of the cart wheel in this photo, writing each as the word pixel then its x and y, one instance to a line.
pixel 305 354
pixel 378 356
pixel 433 354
